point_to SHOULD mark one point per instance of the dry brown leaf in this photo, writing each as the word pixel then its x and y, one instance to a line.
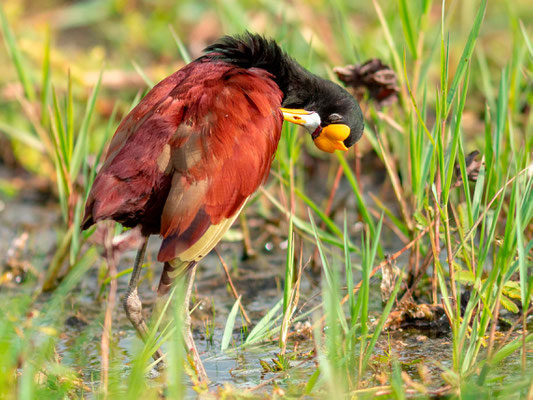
pixel 372 76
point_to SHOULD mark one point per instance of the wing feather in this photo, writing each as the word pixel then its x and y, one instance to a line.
pixel 237 134
pixel 189 155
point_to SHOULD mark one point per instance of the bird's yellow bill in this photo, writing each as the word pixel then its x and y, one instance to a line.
pixel 295 115
pixel 332 138
pixel 329 139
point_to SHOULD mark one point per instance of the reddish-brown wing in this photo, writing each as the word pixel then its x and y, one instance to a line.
pixel 193 157
pixel 129 176
pixel 220 153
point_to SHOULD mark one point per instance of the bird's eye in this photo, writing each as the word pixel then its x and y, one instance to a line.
pixel 335 117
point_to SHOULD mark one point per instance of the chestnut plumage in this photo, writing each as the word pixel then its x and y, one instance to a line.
pixel 190 153
pixel 183 162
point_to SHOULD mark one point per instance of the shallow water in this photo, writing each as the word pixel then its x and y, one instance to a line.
pixel 258 280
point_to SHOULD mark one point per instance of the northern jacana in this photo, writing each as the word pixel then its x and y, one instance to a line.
pixel 184 161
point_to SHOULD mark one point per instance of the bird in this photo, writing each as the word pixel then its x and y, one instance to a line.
pixel 184 161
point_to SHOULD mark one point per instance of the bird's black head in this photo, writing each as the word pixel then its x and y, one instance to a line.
pixel 336 106
pixel 325 109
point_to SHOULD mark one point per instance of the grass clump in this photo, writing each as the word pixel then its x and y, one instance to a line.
pixel 457 226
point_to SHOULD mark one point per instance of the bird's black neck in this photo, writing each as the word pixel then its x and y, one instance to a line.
pixel 255 51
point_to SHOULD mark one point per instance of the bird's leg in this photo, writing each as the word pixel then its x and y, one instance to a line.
pixel 175 275
pixel 132 303
pixel 189 340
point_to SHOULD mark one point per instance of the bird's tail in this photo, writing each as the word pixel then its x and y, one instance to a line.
pixel 171 273
pixel 87 220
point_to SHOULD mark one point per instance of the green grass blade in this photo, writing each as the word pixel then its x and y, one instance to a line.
pixel 467 52
pixel 524 276
pixel 383 318
pixel 150 83
pixel 329 276
pixel 413 101
pixel 177 353
pixel 509 349
pixel 46 79
pixel 407 27
pixel 349 275
pixel 16 57
pixel 289 267
pixel 81 146
pixel 264 325
pixel 230 323
pixel 485 77
pixel 397 381
pixel 450 161
pixel 75 244
pixel 478 193
pixel 101 148
pixel 304 226
pixel 318 210
pixel 57 303
pixel 61 147
pixel 388 38
pixel 24 137
pixel 527 39
pixel 355 187
pixel 70 119
pixel 184 53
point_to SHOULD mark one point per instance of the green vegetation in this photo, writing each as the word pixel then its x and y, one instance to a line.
pixel 464 73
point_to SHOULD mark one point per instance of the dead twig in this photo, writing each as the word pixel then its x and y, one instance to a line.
pixel 409 293
pixel 391 225
pixel 234 291
pixel 390 259
pixel 110 305
pixel 395 181
pixel 248 248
